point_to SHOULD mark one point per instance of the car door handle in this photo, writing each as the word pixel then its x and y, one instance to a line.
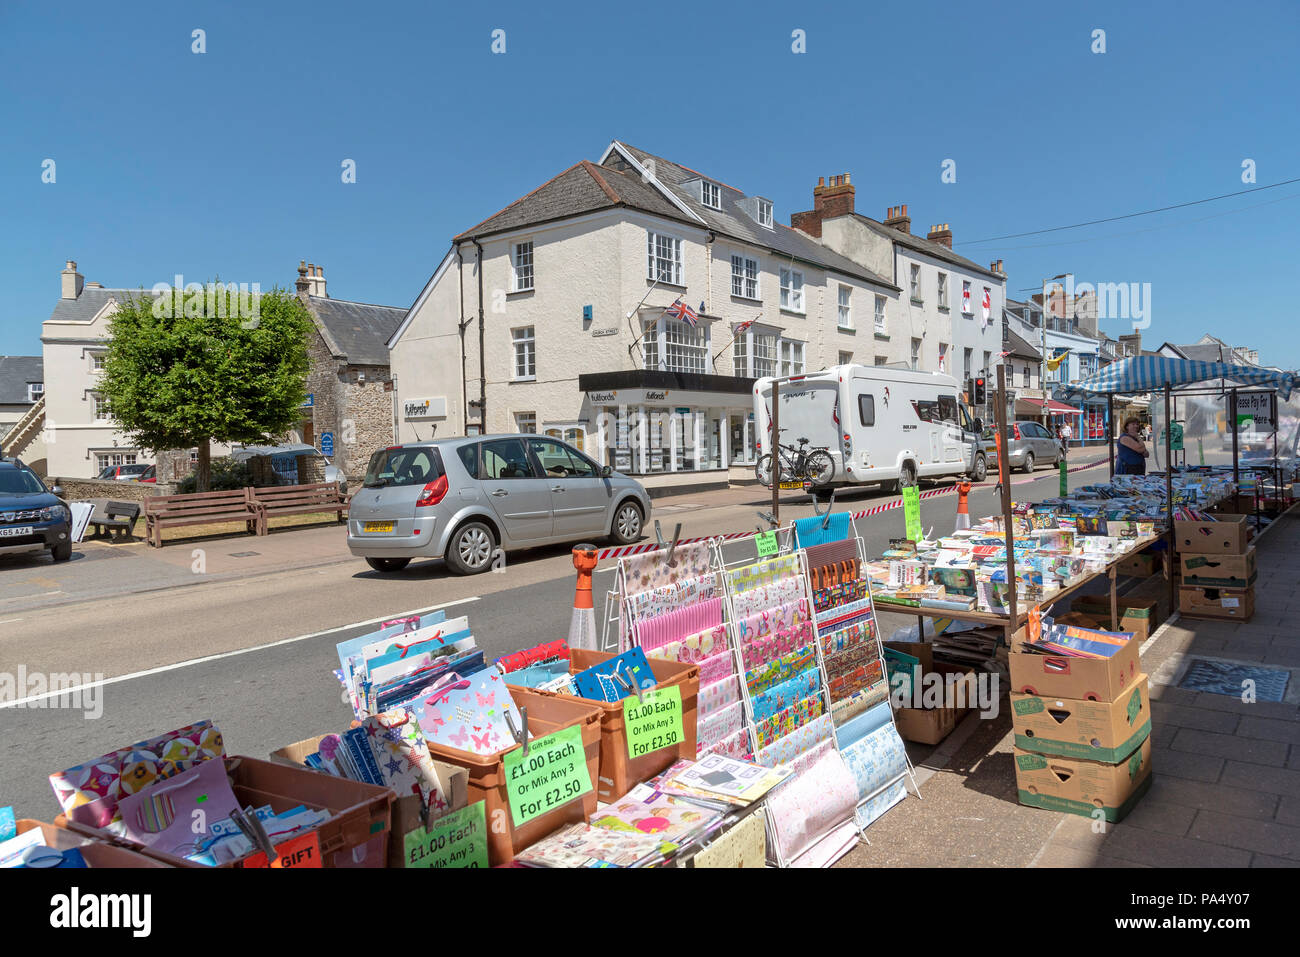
pixel 557 488
pixel 499 492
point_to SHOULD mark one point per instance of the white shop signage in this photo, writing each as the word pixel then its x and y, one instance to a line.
pixel 670 397
pixel 431 408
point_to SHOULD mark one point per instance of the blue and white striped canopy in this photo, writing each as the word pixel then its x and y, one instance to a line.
pixel 1152 373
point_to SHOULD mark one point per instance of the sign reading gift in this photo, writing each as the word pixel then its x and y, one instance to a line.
pixel 301 851
pixel 654 722
pixel 458 839
pixel 553 773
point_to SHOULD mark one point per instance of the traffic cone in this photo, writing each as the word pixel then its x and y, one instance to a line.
pixel 963 510
pixel 582 628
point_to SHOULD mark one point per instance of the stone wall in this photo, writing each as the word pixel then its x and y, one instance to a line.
pixel 81 489
pixel 367 423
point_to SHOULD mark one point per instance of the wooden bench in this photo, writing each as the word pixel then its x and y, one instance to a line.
pixel 299 500
pixel 117 518
pixel 202 508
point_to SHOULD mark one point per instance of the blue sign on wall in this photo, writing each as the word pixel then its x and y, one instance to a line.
pixel 309 402
pixel 327 443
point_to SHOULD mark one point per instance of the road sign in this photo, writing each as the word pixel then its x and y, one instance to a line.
pixel 327 443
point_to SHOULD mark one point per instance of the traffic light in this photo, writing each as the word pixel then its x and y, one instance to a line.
pixel 979 396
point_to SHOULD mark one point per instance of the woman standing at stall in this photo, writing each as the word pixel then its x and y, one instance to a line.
pixel 1133 452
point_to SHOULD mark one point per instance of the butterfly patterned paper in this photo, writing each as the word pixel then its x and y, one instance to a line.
pixel 468 713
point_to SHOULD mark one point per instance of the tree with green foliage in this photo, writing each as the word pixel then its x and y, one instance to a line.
pixel 186 367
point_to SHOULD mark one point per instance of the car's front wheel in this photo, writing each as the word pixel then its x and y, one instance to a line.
pixel 1029 462
pixel 388 564
pixel 981 470
pixel 627 523
pixel 61 552
pixel 470 550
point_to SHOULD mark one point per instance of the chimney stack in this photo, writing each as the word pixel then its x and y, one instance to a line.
pixel 941 234
pixel 315 280
pixel 72 281
pixel 302 286
pixel 829 202
pixel 996 266
pixel 897 218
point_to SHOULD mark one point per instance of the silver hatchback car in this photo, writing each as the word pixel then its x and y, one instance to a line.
pixel 1029 444
pixel 462 499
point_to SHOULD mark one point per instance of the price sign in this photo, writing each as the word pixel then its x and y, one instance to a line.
pixel 767 545
pixel 654 722
pixel 554 773
pixel 912 512
pixel 458 839
pixel 302 851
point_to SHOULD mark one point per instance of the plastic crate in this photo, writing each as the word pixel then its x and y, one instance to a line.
pixel 95 852
pixel 618 772
pixel 356 834
pixel 487 777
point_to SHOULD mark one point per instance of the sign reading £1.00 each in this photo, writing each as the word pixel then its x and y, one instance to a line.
pixel 458 839
pixel 654 722
pixel 553 773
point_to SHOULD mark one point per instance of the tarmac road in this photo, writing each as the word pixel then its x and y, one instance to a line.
pixel 254 650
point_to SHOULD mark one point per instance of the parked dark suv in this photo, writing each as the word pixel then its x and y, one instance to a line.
pixel 32 518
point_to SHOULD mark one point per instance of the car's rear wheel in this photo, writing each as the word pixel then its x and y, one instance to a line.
pixel 627 523
pixel 1029 462
pixel 470 550
pixel 388 564
pixel 61 552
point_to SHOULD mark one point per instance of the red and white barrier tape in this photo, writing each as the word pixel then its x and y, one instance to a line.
pixel 623 551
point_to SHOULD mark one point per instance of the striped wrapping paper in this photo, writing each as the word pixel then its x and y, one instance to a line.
pixel 675 625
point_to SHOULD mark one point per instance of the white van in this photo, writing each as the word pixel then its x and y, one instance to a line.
pixel 891 426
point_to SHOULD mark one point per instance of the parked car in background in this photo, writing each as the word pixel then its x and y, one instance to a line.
pixel 129 473
pixel 462 499
pixel 293 451
pixel 1029 445
pixel 33 518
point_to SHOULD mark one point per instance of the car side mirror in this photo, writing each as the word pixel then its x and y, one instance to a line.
pixel 978 425
pixel 606 471
pixel 57 491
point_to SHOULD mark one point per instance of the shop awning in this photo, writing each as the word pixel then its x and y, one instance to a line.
pixel 1052 406
pixel 1139 374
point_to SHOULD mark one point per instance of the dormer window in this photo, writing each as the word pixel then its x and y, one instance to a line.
pixel 710 194
pixel 765 213
pixel 35 390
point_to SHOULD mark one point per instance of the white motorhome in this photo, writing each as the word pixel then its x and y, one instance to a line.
pixel 891 426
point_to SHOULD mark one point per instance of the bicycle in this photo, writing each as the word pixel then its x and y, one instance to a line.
pixel 797 465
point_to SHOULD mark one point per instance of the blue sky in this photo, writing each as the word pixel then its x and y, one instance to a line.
pixel 228 163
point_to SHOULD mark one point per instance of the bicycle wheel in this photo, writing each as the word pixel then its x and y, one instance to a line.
pixel 820 467
pixel 763 470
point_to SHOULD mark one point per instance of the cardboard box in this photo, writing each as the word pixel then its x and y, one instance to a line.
pixel 1236 604
pixel 1218 571
pixel 453 781
pixel 1105 731
pixel 930 725
pixel 1067 676
pixel 1227 536
pixel 1142 565
pixel 1083 787
pixel 1141 616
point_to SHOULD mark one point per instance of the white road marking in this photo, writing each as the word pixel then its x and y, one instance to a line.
pixel 9 620
pixel 230 654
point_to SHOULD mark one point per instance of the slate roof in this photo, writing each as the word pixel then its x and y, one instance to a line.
pixel 92 299
pixel 356 331
pixel 928 247
pixel 1021 347
pixel 582 188
pixel 734 222
pixel 15 373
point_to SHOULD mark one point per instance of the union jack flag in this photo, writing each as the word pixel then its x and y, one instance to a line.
pixel 745 325
pixel 679 310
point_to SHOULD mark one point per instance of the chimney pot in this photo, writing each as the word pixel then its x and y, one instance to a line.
pixel 846 179
pixel 821 181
